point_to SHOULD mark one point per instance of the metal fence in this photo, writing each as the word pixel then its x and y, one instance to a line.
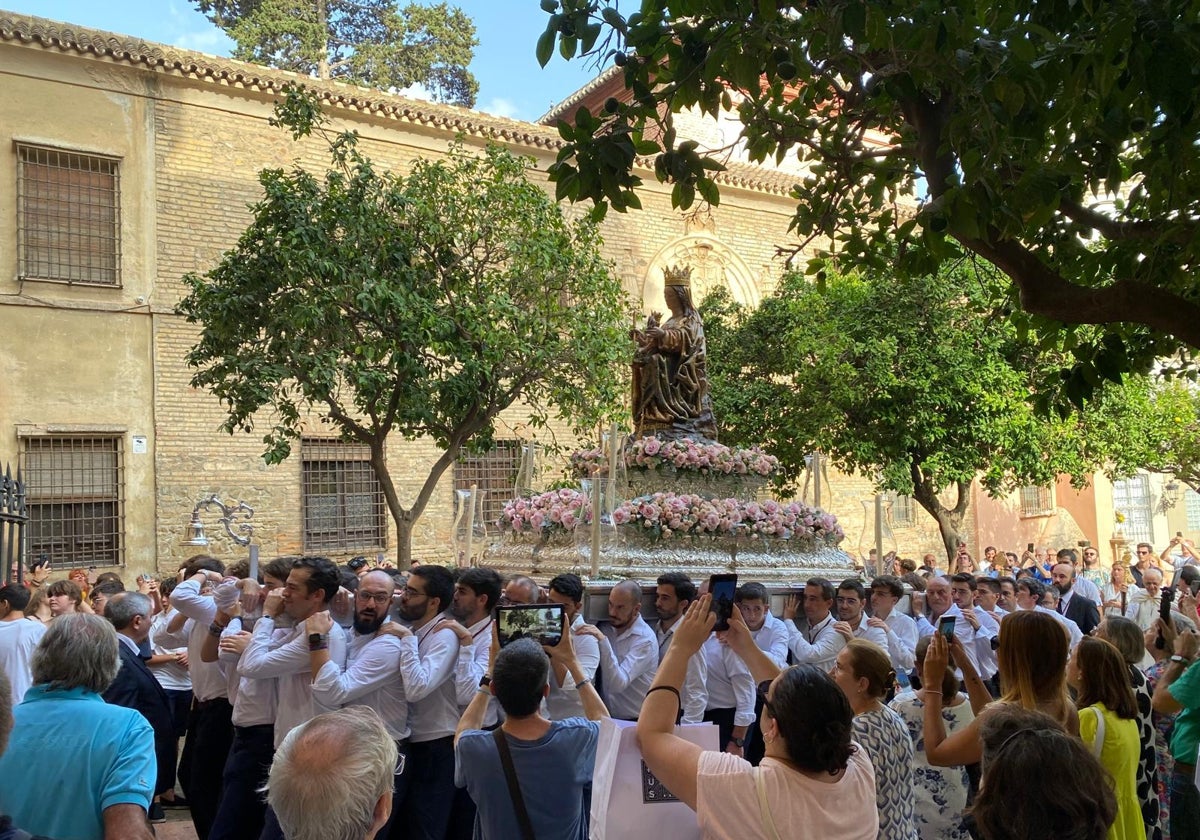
pixel 13 518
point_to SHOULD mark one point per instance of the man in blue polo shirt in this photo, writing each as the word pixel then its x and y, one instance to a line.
pixel 76 767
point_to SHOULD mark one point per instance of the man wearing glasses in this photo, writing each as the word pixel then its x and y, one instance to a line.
pixel 1145 560
pixel 372 662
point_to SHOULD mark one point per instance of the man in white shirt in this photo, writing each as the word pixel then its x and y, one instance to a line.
pixel 428 655
pixel 563 700
pixel 210 727
pixel 770 634
pixel 731 694
pixel 817 641
pixel 939 599
pixel 1029 597
pixel 901 631
pixel 242 810
pixel 476 593
pixel 851 601
pixel 18 637
pixel 628 651
pixel 369 677
pixel 963 589
pixel 673 595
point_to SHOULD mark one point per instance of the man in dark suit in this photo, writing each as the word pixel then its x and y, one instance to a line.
pixel 1083 611
pixel 136 688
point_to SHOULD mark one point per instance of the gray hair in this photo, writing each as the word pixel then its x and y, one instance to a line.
pixel 329 773
pixel 78 651
pixel 6 710
pixel 124 607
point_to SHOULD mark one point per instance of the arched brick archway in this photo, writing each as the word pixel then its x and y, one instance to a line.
pixel 713 264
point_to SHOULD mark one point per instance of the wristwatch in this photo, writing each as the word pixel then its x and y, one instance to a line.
pixel 485 681
pixel 1182 660
pixel 317 641
pixel 738 742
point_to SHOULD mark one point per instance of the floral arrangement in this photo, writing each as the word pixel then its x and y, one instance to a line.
pixel 667 515
pixel 555 511
pixel 650 453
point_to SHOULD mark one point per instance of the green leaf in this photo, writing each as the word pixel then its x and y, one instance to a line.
pixel 545 47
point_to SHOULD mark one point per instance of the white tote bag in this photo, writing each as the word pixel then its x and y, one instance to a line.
pixel 627 801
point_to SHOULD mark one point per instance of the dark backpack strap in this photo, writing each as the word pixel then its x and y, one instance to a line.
pixel 514 788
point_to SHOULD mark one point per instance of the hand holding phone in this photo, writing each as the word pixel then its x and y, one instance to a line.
pixel 946 627
pixel 722 588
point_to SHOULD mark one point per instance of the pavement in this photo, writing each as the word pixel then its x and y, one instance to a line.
pixel 177 827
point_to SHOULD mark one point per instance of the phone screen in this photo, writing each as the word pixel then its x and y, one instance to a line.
pixel 541 622
pixel 722 588
pixel 946 627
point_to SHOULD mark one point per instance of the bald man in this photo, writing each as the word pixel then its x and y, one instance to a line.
pixel 628 651
pixel 521 590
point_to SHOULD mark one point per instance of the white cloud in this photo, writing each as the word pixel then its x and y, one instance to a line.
pixel 416 91
pixel 498 106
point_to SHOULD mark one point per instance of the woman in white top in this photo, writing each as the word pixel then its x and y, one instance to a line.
pixel 813 782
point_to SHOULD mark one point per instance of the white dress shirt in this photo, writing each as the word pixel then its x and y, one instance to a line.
pixel 282 655
pixel 628 662
pixel 369 679
pixel 471 667
pixel 730 685
pixel 170 675
pixel 1086 588
pixel 17 641
pixel 695 684
pixel 563 701
pixel 818 644
pixel 208 678
pixel 902 640
pixel 871 634
pixel 966 635
pixel 254 701
pixel 772 639
pixel 427 661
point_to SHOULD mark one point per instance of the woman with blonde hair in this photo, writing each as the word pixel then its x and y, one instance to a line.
pixel 1032 657
pixel 863 671
pixel 1108 726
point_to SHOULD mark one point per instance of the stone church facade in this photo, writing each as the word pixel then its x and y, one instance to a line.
pixel 125 165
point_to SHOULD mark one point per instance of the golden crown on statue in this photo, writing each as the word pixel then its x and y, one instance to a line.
pixel 677 275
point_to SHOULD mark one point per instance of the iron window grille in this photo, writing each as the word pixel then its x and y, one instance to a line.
pixel 1036 500
pixel 68 216
pixel 494 471
pixel 342 500
pixel 75 497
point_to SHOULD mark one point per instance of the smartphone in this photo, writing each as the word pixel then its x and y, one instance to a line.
pixel 1029 547
pixel 1164 605
pixel 722 589
pixel 1179 534
pixel 946 626
pixel 541 622
pixel 1085 543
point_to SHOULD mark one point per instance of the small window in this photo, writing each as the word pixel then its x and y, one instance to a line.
pixel 494 472
pixel 74 488
pixel 343 506
pixel 1037 501
pixel 1192 501
pixel 904 514
pixel 68 216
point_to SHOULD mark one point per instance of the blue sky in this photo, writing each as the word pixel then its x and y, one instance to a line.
pixel 511 83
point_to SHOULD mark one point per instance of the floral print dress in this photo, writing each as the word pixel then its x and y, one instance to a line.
pixel 940 793
pixel 1164 727
pixel 885 738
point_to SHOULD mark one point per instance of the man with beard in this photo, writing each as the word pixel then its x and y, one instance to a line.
pixel 1073 605
pixel 628 651
pixel 674 594
pixel 428 655
pixel 369 678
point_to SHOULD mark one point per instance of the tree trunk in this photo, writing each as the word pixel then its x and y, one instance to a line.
pixel 323 57
pixel 949 520
pixel 406 519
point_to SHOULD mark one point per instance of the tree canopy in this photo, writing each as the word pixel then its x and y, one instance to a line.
pixel 917 383
pixel 1057 140
pixel 367 42
pixel 423 305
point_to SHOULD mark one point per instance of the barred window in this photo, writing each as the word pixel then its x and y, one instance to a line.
pixel 342 501
pixel 494 472
pixel 1036 501
pixel 1131 497
pixel 903 511
pixel 1192 504
pixel 68 216
pixel 75 488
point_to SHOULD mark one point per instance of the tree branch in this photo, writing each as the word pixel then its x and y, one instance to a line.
pixel 1170 230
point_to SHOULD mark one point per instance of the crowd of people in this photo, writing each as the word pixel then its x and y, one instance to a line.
pixel 1021 697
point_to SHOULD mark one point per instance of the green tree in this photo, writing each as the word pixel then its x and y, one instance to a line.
pixel 917 383
pixel 367 42
pixel 1058 140
pixel 422 305
pixel 1174 415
